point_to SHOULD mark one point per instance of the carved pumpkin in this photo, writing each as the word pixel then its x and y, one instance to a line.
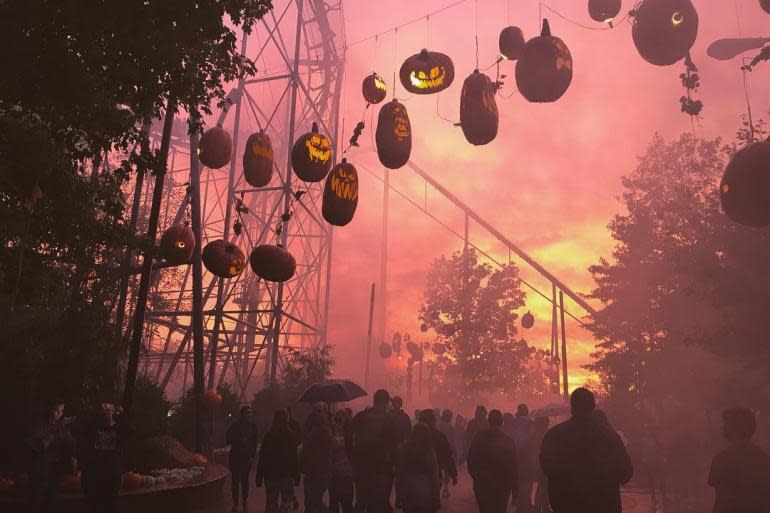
pixel 211 399
pixel 603 11
pixel 258 160
pixel 340 197
pixel 745 188
pixel 311 157
pixel 478 109
pixel 385 350
pixel 215 147
pixel 223 259
pixel 199 459
pixel 394 135
pixel 272 263
pixel 765 5
pixel 415 350
pixel 664 30
pixel 544 68
pixel 374 89
pixel 527 320
pixel 131 481
pixel 427 72
pixel 439 348
pixel 511 43
pixel 177 244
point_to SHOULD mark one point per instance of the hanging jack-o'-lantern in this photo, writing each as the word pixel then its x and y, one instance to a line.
pixel 272 263
pixel 478 109
pixel 258 159
pixel 664 30
pixel 223 259
pixel 215 147
pixel 177 244
pixel 385 350
pixel 439 348
pixel 394 135
pixel 311 157
pixel 511 43
pixel 340 197
pixel 765 5
pixel 745 188
pixel 415 350
pixel 527 320
pixel 427 72
pixel 544 68
pixel 604 11
pixel 374 89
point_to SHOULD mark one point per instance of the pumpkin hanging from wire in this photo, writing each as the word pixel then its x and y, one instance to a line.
pixel 544 68
pixel 215 147
pixel 664 30
pixel 223 259
pixel 374 89
pixel 340 197
pixel 258 159
pixel 604 11
pixel 527 320
pixel 311 156
pixel 394 135
pixel 745 188
pixel 427 72
pixel 478 109
pixel 272 263
pixel 511 42
pixel 765 5
pixel 385 350
pixel 177 244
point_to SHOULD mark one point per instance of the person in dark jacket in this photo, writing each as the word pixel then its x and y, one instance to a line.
pixel 296 430
pixel 52 449
pixel 417 472
pixel 442 446
pixel 492 465
pixel 101 458
pixel 521 428
pixel 242 438
pixel 477 424
pixel 277 464
pixel 401 420
pixel 539 429
pixel 740 474
pixel 585 462
pixel 341 485
pixel 315 461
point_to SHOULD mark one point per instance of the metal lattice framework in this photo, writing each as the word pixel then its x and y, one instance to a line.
pixel 299 50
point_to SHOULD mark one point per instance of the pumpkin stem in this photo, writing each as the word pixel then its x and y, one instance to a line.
pixel 315 128
pixel 546 32
pixel 424 53
pixel 344 160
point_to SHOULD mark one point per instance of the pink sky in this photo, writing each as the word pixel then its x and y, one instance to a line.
pixel 550 180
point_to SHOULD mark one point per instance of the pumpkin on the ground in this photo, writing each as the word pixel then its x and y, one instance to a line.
pixel 212 399
pixel 177 244
pixel 311 156
pixel 200 459
pixel 131 481
pixel 427 72
pixel 215 147
pixel 544 68
pixel 394 135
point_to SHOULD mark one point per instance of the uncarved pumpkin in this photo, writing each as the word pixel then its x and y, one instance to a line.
pixel 745 188
pixel 223 259
pixel 427 72
pixel 544 68
pixel 478 109
pixel 374 89
pixel 272 263
pixel 511 43
pixel 394 135
pixel 385 350
pixel 664 30
pixel 311 157
pixel 212 399
pixel 603 11
pixel 340 197
pixel 258 160
pixel 177 244
pixel 528 320
pixel 215 147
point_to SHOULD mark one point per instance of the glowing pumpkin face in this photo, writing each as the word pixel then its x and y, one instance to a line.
pixel 394 135
pixel 311 156
pixel 427 72
pixel 544 68
pixel 258 160
pixel 223 259
pixel 665 30
pixel 401 127
pixel 340 197
pixel 374 89
pixel 177 244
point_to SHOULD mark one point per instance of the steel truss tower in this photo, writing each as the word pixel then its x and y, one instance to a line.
pixel 251 325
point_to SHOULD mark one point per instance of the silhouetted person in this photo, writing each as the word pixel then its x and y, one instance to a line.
pixel 492 465
pixel 341 485
pixel 462 449
pixel 585 462
pixel 446 427
pixel 296 431
pixel 446 460
pixel 242 438
pixel 477 424
pixel 102 449
pixel 315 461
pixel 401 421
pixel 277 465
pixel 508 422
pixel 374 452
pixel 417 472
pixel 741 473
pixel 521 427
pixel 52 448
pixel 416 418
pixel 539 429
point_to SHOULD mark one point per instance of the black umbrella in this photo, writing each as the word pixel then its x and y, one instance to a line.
pixel 332 391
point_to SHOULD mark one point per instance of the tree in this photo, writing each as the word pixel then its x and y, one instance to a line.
pixel 683 324
pixel 472 309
